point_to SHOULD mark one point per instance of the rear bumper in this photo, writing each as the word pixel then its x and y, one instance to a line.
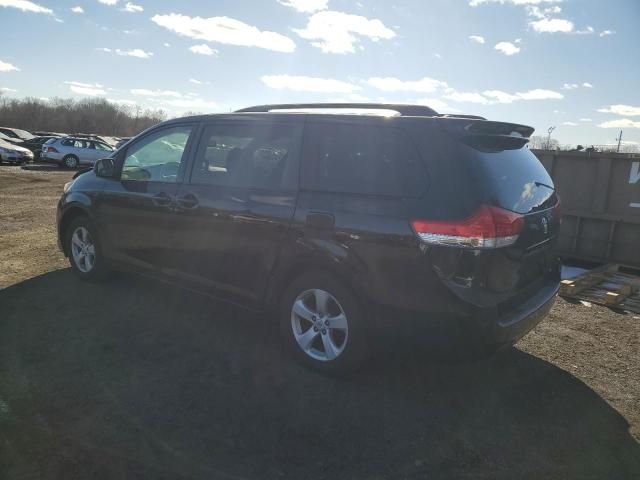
pixel 474 333
pixel 511 327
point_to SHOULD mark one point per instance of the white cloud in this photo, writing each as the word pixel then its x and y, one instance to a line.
pixel 625 110
pixel 89 89
pixel 7 67
pixel 604 33
pixel 25 6
pixel 198 82
pixel 339 32
pixel 8 90
pixel 586 120
pixel 308 84
pixel 585 31
pixel 134 52
pixel 132 8
pixel 143 92
pixel 475 3
pixel 77 9
pixel 552 25
pixel 476 38
pixel 587 85
pixel 466 97
pixel 203 49
pixel 570 86
pixel 540 94
pixel 166 44
pixel 392 84
pixel 305 6
pixel 108 2
pixel 620 123
pixel 224 30
pixel 498 96
pixel 437 104
pixel 570 124
pixel 507 48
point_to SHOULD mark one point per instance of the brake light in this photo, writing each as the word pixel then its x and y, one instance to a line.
pixel 489 227
pixel 52 150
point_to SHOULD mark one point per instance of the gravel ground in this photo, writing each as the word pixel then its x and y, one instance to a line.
pixel 134 379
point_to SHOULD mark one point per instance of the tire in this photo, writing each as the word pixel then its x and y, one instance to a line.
pixel 84 250
pixel 70 161
pixel 336 349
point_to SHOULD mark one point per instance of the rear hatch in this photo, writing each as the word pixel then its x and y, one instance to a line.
pixel 518 192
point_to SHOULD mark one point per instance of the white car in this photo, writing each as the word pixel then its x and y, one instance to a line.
pixel 14 154
pixel 71 152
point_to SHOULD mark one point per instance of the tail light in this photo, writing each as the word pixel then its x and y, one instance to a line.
pixel 52 150
pixel 489 227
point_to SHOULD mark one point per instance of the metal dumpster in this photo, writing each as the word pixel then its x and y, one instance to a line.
pixel 600 195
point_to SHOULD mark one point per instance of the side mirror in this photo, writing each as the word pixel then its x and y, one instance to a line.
pixel 105 168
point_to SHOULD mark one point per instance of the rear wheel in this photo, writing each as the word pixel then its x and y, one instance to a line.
pixel 70 161
pixel 322 325
pixel 83 247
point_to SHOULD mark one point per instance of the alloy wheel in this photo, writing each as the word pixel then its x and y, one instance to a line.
pixel 319 324
pixel 83 249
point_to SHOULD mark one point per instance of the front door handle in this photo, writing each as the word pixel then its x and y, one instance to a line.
pixel 161 200
pixel 188 202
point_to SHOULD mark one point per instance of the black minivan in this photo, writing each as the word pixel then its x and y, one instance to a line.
pixel 350 221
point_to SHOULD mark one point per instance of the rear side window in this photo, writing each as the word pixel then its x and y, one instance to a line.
pixel 515 179
pixel 252 155
pixel 361 159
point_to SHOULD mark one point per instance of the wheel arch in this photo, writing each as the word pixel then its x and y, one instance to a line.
pixel 70 214
pixel 285 274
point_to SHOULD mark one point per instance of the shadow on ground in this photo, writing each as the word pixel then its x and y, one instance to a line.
pixel 131 379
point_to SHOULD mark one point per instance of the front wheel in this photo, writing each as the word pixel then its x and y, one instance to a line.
pixel 321 323
pixel 83 247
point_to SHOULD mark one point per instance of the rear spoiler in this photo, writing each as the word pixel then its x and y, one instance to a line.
pixel 488 135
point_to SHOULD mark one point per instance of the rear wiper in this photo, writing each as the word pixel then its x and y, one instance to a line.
pixel 540 184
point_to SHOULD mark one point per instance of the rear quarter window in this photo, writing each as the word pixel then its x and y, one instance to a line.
pixel 361 159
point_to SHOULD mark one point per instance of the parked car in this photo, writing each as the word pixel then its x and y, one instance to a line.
pixel 12 140
pixel 35 144
pixel 14 154
pixel 71 152
pixel 101 138
pixel 16 133
pixel 350 227
pixel 49 134
pixel 122 141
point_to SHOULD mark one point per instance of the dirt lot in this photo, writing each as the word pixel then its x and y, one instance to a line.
pixel 132 379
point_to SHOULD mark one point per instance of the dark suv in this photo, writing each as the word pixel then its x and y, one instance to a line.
pixel 349 226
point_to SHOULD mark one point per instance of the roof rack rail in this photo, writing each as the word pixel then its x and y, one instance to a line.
pixel 404 110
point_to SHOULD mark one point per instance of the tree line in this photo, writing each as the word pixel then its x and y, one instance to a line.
pixel 64 115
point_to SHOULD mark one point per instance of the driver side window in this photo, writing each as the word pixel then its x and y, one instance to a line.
pixel 157 157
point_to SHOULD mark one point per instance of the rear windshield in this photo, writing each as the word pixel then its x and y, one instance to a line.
pixel 515 179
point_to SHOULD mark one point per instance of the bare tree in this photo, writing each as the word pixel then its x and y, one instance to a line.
pixel 89 115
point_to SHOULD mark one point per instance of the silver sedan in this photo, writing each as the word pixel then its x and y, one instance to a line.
pixel 71 152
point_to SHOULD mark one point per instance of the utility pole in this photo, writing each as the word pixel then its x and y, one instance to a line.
pixel 551 129
pixel 619 141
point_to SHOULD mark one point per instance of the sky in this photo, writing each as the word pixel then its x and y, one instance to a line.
pixel 571 64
